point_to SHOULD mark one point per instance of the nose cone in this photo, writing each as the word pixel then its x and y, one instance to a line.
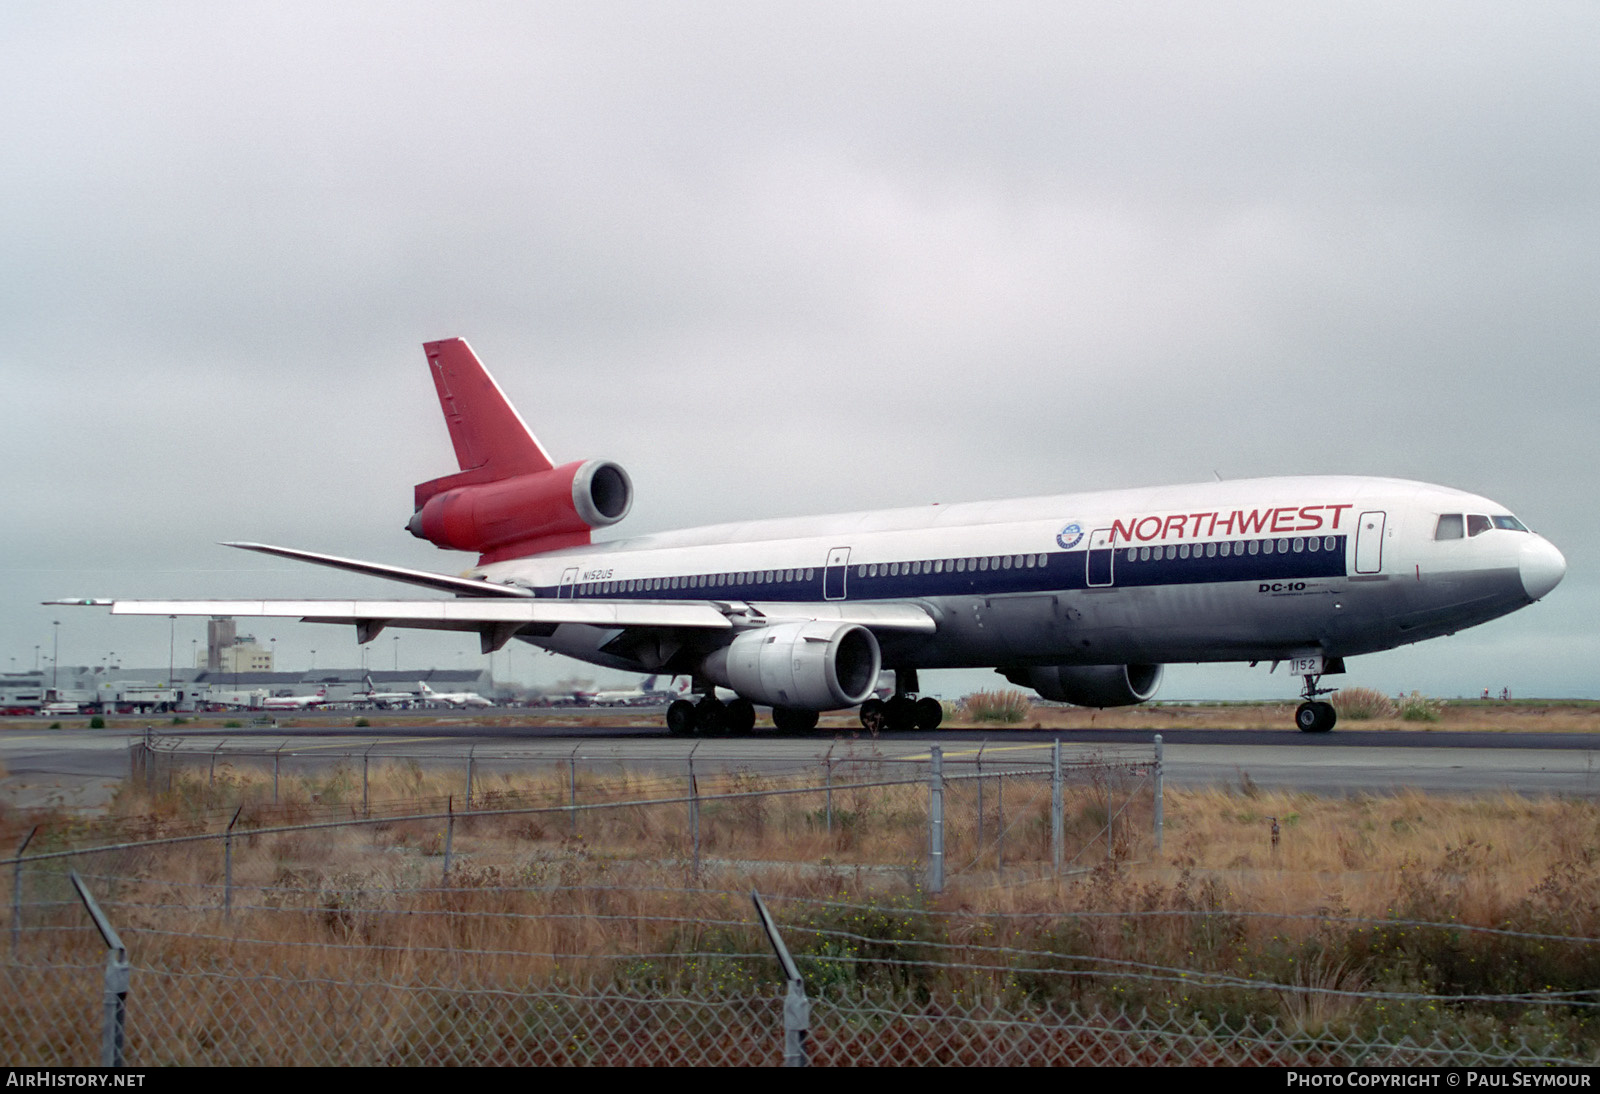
pixel 1542 567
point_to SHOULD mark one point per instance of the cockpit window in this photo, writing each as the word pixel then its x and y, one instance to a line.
pixel 1477 525
pixel 1510 523
pixel 1449 527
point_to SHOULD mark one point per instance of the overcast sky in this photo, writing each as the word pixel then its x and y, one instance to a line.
pixel 783 259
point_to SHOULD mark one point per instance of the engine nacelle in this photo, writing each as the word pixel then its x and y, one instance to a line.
pixel 809 666
pixel 1090 685
pixel 524 514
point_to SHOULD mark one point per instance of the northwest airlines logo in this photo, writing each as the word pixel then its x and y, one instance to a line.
pixel 1236 522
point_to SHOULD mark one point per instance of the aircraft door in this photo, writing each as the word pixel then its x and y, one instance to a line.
pixel 1101 559
pixel 569 582
pixel 834 573
pixel 1369 543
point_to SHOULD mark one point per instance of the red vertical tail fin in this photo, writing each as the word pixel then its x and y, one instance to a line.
pixel 509 499
pixel 491 440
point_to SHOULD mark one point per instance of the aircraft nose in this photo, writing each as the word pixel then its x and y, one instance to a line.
pixel 1542 567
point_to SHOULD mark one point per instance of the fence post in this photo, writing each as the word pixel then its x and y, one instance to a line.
pixel 1158 790
pixel 694 810
pixel 211 776
pixel 936 819
pixel 981 747
pixel 227 866
pixel 572 790
pixel 1055 804
pixel 472 762
pixel 276 756
pixel 449 834
pixel 1000 820
pixel 149 761
pixel 16 892
pixel 827 782
pixel 796 1007
pixel 366 810
pixel 116 982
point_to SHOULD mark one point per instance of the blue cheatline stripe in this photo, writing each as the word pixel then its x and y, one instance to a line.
pixel 1133 567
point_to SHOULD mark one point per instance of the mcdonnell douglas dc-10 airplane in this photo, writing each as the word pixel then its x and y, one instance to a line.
pixel 1081 597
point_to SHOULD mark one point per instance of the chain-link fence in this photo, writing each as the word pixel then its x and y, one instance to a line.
pixel 936 912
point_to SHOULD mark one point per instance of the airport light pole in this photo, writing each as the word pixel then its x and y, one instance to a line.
pixel 397 653
pixel 172 640
pixel 55 651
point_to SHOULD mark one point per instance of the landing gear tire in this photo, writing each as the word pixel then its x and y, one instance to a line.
pixel 1315 717
pixel 872 716
pixel 680 718
pixel 790 720
pixel 900 714
pixel 739 717
pixel 928 713
pixel 711 717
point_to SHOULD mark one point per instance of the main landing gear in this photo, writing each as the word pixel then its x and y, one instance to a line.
pixel 1314 715
pixel 902 712
pixel 711 717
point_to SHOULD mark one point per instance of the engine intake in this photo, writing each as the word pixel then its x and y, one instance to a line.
pixel 524 514
pixel 809 666
pixel 1090 685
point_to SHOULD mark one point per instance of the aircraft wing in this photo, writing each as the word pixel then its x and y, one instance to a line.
pixel 498 619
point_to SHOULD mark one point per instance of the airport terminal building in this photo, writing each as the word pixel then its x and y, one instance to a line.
pixel 112 689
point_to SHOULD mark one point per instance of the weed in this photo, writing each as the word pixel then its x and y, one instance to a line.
pixel 1362 704
pixel 1004 707
pixel 1418 707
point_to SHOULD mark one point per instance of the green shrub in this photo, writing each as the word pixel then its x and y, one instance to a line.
pixel 97 722
pixel 1418 707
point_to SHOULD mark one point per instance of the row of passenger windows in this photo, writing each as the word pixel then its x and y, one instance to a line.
pixel 696 581
pixel 980 564
pixel 1450 525
pixel 1298 545
pixel 951 565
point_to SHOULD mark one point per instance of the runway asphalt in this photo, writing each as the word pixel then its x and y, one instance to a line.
pixel 77 767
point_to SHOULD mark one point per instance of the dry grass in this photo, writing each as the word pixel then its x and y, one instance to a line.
pixel 535 899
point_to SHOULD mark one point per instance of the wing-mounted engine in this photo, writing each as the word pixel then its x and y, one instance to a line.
pixel 1090 685
pixel 818 665
pixel 509 499
pixel 525 514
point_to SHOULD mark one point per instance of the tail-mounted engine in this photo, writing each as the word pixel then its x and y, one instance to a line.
pixel 525 514
pixel 808 666
pixel 1090 685
pixel 509 499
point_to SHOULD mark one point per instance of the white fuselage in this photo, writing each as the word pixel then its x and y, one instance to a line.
pixel 1220 571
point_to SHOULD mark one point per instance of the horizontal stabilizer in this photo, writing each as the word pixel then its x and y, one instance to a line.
pixel 461 586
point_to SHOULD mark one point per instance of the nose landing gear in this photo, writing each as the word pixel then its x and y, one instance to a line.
pixel 1314 715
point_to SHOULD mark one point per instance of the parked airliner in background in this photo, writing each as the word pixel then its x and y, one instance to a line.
pixel 293 702
pixel 382 698
pixel 646 692
pixel 1081 597
pixel 450 698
